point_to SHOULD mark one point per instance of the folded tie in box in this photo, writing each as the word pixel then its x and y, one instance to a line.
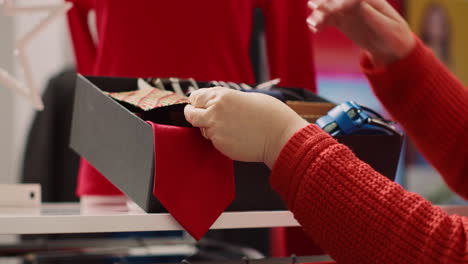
pixel 165 163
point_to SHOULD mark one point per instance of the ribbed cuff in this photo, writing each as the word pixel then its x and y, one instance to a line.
pixel 386 80
pixel 411 87
pixel 398 68
pixel 304 146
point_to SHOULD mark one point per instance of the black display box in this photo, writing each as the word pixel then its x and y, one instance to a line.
pixel 120 145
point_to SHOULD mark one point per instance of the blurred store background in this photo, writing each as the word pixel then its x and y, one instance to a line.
pixel 440 23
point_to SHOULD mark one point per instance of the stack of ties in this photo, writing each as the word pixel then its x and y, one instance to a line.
pixel 154 93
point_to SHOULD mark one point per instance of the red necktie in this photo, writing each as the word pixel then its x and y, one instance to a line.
pixel 192 180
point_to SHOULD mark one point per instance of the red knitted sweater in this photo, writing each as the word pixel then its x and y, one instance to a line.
pixel 357 215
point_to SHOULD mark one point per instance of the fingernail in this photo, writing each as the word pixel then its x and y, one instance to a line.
pixel 313 29
pixel 312 5
pixel 311 22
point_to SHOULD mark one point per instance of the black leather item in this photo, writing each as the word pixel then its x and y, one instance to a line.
pixel 48 159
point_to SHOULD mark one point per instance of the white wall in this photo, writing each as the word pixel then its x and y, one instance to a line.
pixel 6 104
pixel 49 53
pixel 48 56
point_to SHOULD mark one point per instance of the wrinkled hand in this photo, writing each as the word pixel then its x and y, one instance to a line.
pixel 372 24
pixel 247 127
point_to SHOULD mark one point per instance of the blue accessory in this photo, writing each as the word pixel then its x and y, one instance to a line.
pixel 350 119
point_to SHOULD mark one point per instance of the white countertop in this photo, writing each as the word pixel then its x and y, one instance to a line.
pixel 72 218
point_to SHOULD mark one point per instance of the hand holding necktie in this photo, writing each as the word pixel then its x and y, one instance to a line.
pixel 247 127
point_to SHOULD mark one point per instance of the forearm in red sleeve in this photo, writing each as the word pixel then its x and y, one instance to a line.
pixel 357 215
pixel 432 106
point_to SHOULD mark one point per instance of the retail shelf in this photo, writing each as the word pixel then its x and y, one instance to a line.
pixel 64 218
pixel 73 218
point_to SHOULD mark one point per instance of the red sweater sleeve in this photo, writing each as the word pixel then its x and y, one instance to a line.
pixel 357 215
pixel 432 106
pixel 289 42
pixel 84 47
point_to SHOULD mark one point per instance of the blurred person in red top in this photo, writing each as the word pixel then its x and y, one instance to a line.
pixel 354 213
pixel 150 38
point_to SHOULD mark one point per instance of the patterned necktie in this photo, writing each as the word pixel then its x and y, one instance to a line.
pixel 149 98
